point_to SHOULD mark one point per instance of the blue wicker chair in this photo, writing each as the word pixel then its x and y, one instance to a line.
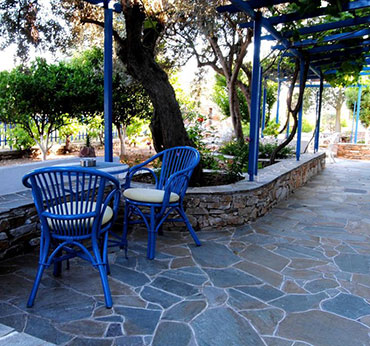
pixel 166 197
pixel 76 206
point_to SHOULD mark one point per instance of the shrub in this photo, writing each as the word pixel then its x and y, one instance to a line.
pixel 266 149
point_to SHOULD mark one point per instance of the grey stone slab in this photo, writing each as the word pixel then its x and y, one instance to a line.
pixel 263 273
pixel 265 292
pixel 265 321
pixel 185 311
pixel 129 341
pixel 298 251
pixel 301 274
pixel 4 330
pixel 85 328
pixel 113 318
pixel 215 296
pixel 7 309
pixel 347 305
pixel 154 295
pixel 81 341
pixel 274 341
pixel 114 330
pixel 128 276
pixel 241 301
pixel 321 328
pixel 139 321
pixel 58 303
pixel 299 302
pixel 21 339
pixel 175 287
pixel 151 267
pixel 214 326
pixel 14 286
pixel 360 191
pixel 257 254
pixel 231 277
pixel 353 263
pixel 43 329
pixel 320 285
pixel 214 255
pixel 190 278
pixel 169 333
pixel 17 321
pixel 305 263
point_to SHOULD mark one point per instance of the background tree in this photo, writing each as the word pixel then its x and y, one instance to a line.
pixel 351 97
pixel 215 40
pixel 220 97
pixel 35 99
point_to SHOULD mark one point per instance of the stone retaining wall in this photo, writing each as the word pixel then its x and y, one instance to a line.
pixel 207 207
pixel 244 201
pixel 353 151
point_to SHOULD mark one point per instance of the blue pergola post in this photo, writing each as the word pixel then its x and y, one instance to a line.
pixel 299 129
pixel 264 106
pixel 108 68
pixel 278 91
pixel 255 100
pixel 358 110
pixel 319 104
pixel 353 121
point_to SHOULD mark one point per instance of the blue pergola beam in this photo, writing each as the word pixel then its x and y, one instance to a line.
pixel 244 6
pixel 323 27
pixel 332 47
pixel 115 6
pixel 331 55
pixel 253 5
pixel 336 37
pixel 334 62
pixel 291 17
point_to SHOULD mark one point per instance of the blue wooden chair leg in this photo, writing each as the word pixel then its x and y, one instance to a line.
pixel 123 244
pixel 36 284
pixel 152 235
pixel 105 284
pixel 190 228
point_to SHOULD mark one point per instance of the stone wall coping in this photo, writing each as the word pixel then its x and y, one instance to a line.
pixel 265 176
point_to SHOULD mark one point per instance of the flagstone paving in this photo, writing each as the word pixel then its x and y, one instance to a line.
pixel 300 275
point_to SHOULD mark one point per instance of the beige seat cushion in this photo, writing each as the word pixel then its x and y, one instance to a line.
pixel 75 207
pixel 149 195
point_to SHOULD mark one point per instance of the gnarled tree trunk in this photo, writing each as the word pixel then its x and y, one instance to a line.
pixel 137 53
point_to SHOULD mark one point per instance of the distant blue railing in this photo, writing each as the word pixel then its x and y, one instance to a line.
pixel 54 138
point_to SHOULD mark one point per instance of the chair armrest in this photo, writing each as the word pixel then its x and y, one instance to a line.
pixel 177 183
pixel 132 171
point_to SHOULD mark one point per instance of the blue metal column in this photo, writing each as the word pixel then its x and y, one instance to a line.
pixel 358 110
pixel 319 107
pixel 278 91
pixel 258 123
pixel 108 68
pixel 264 106
pixel 299 129
pixel 255 100
pixel 353 120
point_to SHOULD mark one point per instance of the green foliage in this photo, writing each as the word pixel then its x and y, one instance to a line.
pixel 19 138
pixel 266 149
pixel 271 129
pixel 271 97
pixel 351 98
pixel 239 164
pixel 307 126
pixel 220 97
pixel 197 133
